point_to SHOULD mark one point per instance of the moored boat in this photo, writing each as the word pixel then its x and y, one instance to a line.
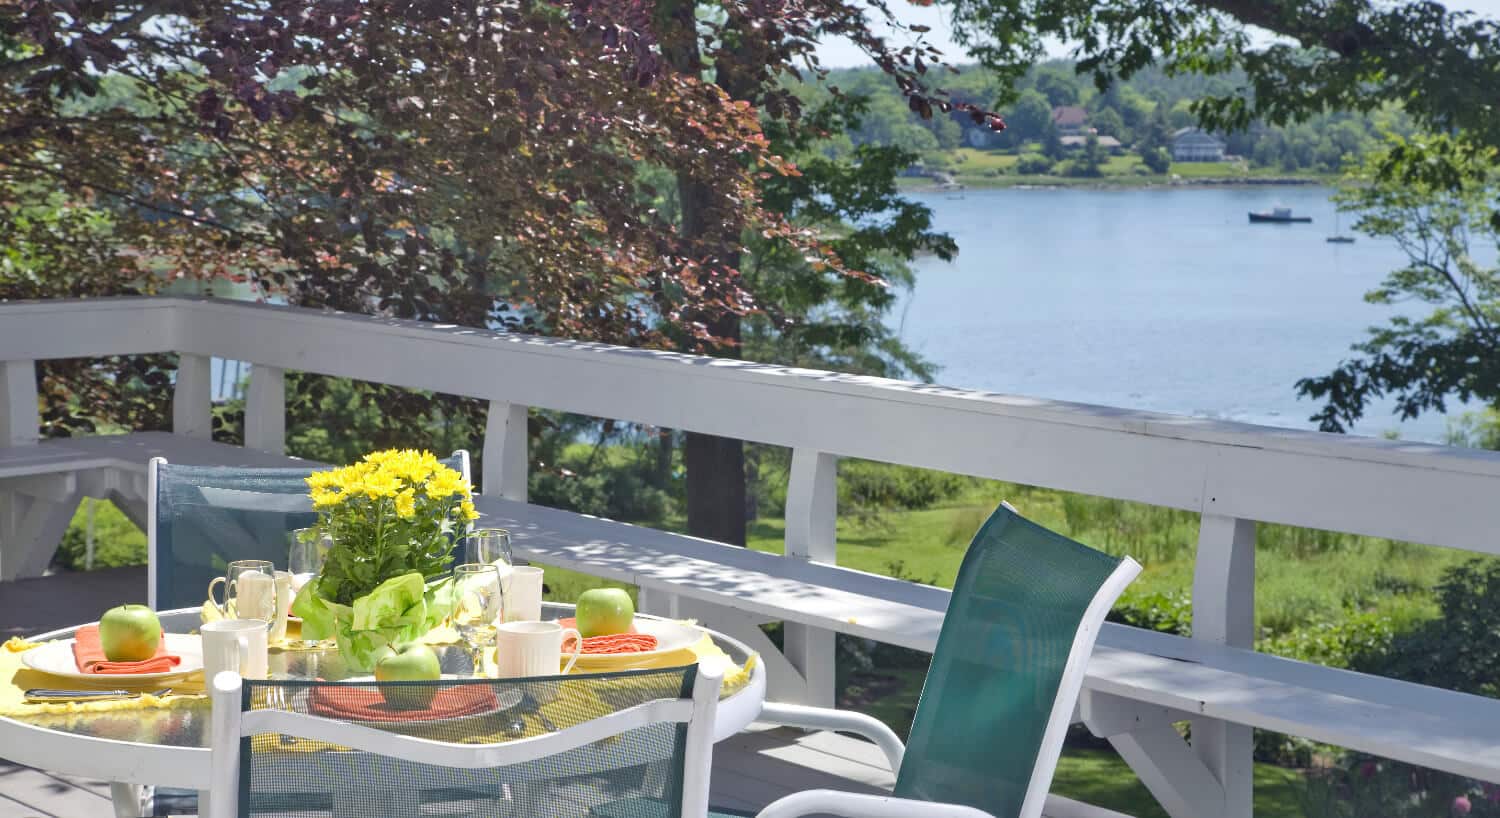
pixel 1278 215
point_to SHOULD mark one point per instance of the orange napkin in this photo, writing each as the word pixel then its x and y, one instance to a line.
pixel 367 704
pixel 89 655
pixel 631 641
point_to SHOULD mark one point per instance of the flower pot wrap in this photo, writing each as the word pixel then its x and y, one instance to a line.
pixel 401 609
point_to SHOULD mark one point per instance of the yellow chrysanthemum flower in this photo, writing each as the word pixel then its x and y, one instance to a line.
pixel 467 508
pixel 406 504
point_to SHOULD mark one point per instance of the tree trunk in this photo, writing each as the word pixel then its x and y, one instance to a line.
pixel 715 465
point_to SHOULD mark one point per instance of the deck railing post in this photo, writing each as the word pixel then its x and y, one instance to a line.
pixel 20 420
pixel 192 398
pixel 505 466
pixel 1224 613
pixel 20 424
pixel 811 534
pixel 265 410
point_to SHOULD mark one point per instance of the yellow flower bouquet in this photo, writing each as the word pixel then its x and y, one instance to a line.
pixel 393 517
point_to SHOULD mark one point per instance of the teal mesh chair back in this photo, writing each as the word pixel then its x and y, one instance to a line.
pixel 979 729
pixel 206 516
pixel 638 773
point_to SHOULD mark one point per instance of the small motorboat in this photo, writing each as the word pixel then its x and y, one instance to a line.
pixel 1277 215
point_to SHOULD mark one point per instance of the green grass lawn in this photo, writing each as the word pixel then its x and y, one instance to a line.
pixel 1101 778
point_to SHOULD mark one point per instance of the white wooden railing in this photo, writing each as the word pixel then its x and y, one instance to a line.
pixel 1233 474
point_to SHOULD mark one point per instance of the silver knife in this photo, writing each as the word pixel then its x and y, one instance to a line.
pixel 41 694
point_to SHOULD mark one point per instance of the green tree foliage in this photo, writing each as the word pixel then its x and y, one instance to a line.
pixel 1343 55
pixel 1052 146
pixel 1108 122
pixel 1028 118
pixel 1151 99
pixel 1439 221
pixel 1153 145
pixel 1057 85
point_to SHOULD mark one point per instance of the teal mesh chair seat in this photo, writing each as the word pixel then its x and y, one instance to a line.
pixel 637 741
pixel 203 517
pixel 1007 671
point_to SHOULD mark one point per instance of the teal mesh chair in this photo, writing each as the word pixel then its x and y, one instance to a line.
pixel 292 749
pixel 1009 665
pixel 201 517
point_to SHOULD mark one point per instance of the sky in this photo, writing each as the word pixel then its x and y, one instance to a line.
pixel 840 53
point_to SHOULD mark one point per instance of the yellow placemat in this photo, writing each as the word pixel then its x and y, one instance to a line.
pixel 16 679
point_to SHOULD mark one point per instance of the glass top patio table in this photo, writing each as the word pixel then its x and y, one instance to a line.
pixel 186 725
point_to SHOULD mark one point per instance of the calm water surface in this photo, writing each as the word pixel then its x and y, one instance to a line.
pixel 1166 300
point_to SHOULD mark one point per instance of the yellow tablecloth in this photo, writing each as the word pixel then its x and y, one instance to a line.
pixel 16 679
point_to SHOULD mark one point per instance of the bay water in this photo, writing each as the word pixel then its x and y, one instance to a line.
pixel 1163 299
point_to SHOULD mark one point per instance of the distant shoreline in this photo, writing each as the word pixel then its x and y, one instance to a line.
pixel 925 185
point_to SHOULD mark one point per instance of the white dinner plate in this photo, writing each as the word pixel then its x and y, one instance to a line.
pixel 56 658
pixel 504 700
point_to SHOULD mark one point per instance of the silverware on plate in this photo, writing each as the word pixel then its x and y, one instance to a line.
pixel 38 695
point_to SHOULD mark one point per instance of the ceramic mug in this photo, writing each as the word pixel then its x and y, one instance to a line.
pixel 533 649
pixel 237 645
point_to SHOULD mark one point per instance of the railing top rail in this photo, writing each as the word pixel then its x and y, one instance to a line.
pixel 1405 490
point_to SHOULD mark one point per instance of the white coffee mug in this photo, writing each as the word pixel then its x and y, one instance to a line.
pixel 237 645
pixel 533 649
pixel 523 594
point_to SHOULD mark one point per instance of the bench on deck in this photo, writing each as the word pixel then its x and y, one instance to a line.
pixel 42 483
pixel 1139 683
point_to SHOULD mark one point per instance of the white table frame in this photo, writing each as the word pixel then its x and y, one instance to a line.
pixel 130 762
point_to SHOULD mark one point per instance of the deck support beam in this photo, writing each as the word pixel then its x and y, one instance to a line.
pixel 811 534
pixel 1224 614
pixel 505 442
pixel 192 397
pixel 265 409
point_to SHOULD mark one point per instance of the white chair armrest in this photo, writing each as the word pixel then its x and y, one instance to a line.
pixel 826 718
pixel 856 805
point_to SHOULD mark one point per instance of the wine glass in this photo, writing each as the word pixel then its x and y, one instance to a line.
pixel 306 549
pixel 489 546
pixel 478 599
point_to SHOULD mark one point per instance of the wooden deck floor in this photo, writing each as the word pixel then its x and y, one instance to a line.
pixel 750 770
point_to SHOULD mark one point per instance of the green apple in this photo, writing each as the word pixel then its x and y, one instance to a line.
pixel 129 633
pixel 412 662
pixel 603 611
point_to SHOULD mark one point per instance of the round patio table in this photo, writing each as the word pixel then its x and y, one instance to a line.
pixel 168 747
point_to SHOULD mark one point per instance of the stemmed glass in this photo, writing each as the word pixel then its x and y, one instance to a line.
pixel 489 546
pixel 478 599
pixel 306 549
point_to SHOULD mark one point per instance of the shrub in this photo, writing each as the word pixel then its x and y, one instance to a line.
pixel 117 541
pixel 1170 612
pixel 616 492
pixel 1458 650
pixel 1033 164
pixel 864 484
